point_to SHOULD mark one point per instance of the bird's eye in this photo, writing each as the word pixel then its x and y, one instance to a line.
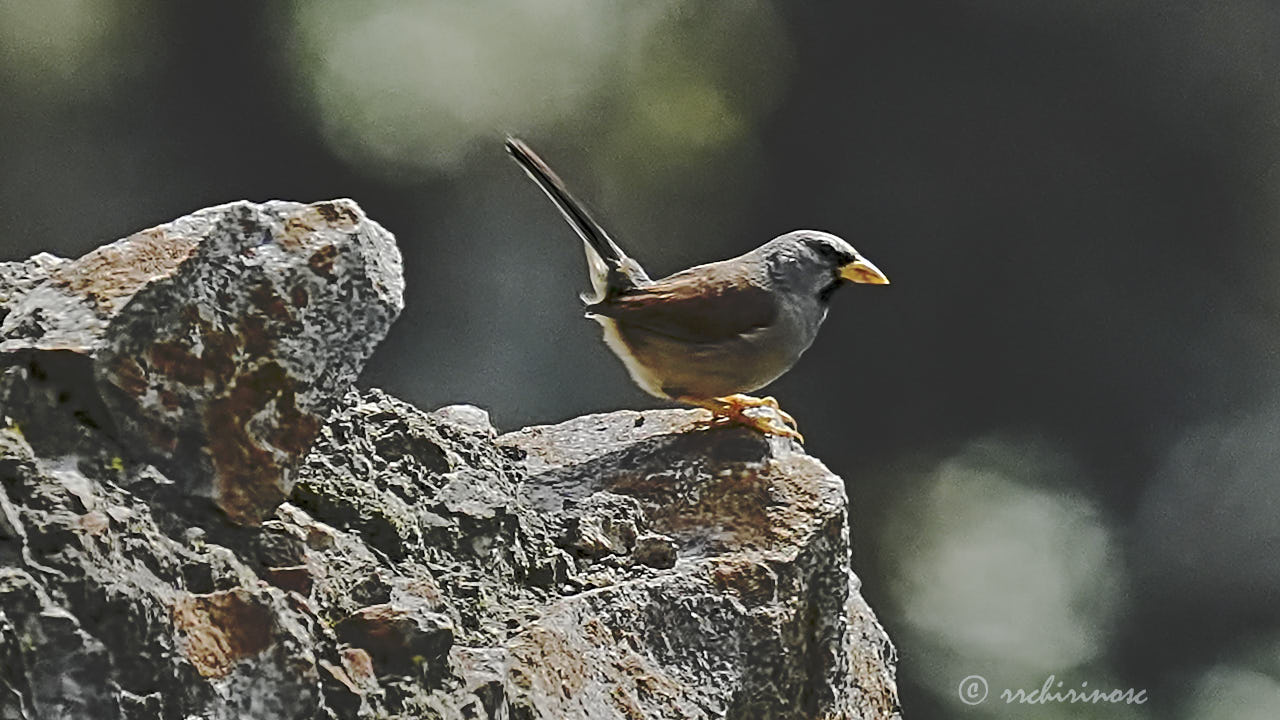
pixel 829 252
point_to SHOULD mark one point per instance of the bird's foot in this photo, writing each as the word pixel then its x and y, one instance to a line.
pixel 768 401
pixel 732 411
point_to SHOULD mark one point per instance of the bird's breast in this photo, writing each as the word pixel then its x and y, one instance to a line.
pixel 667 367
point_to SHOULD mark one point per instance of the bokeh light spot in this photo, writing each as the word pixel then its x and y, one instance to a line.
pixel 403 88
pixel 66 49
pixel 995 573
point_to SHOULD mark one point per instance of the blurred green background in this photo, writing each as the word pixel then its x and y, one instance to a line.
pixel 1059 424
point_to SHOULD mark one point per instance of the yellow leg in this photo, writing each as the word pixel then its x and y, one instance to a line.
pixel 731 410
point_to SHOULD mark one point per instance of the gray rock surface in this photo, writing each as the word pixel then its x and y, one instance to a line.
pixel 217 342
pixel 623 565
pixel 761 600
pixel 21 277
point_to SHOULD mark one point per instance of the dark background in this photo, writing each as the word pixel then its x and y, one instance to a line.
pixel 1058 425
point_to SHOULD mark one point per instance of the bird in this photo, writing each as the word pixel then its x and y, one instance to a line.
pixel 708 335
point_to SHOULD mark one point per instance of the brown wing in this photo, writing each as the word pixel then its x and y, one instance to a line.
pixel 705 304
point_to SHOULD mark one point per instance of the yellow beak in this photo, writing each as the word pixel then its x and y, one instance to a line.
pixel 862 271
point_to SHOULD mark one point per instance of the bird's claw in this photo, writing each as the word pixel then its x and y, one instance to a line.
pixel 767 426
pixel 768 401
pixel 762 424
pixel 733 412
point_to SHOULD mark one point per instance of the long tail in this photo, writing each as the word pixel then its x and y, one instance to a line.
pixel 610 268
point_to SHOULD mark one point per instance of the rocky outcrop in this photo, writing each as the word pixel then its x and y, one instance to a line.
pixel 217 341
pixel 403 563
pixel 760 615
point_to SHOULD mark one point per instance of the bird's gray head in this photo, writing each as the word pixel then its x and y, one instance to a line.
pixel 816 263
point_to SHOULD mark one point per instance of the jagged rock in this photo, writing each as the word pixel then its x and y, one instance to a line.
pixel 736 600
pixel 19 278
pixel 218 342
pixel 397 636
pixel 656 551
pixel 756 618
pixel 623 565
pixel 603 524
